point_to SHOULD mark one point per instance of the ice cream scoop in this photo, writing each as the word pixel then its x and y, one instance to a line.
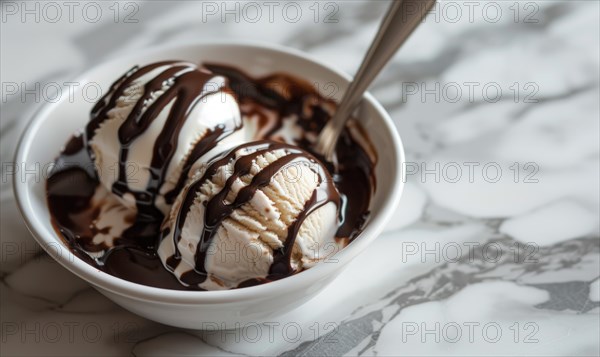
pixel 260 212
pixel 153 124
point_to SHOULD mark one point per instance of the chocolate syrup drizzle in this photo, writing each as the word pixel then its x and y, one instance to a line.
pixel 217 210
pixel 185 85
pixel 74 181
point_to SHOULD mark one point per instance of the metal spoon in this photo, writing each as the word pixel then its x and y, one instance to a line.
pixel 402 18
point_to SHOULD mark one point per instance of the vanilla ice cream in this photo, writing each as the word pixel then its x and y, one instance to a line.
pixel 261 212
pixel 153 124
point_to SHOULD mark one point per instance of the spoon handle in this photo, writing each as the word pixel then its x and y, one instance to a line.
pixel 401 19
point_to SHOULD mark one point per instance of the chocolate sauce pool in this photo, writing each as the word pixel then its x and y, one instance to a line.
pixel 73 182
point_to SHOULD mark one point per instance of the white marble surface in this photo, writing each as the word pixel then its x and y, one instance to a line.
pixel 469 265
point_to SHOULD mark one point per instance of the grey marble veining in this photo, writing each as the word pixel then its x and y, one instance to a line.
pixel 469 265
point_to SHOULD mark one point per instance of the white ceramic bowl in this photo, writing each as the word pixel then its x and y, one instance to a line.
pixel 56 122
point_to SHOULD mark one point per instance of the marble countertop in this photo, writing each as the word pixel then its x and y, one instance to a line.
pixel 494 249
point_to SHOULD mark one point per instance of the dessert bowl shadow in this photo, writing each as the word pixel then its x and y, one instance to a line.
pixel 55 122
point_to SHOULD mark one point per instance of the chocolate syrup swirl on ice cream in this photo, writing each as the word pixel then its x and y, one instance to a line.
pixel 285 114
pixel 184 86
pixel 217 209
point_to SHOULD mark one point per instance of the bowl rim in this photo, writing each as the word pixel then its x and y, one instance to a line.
pixel 141 292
